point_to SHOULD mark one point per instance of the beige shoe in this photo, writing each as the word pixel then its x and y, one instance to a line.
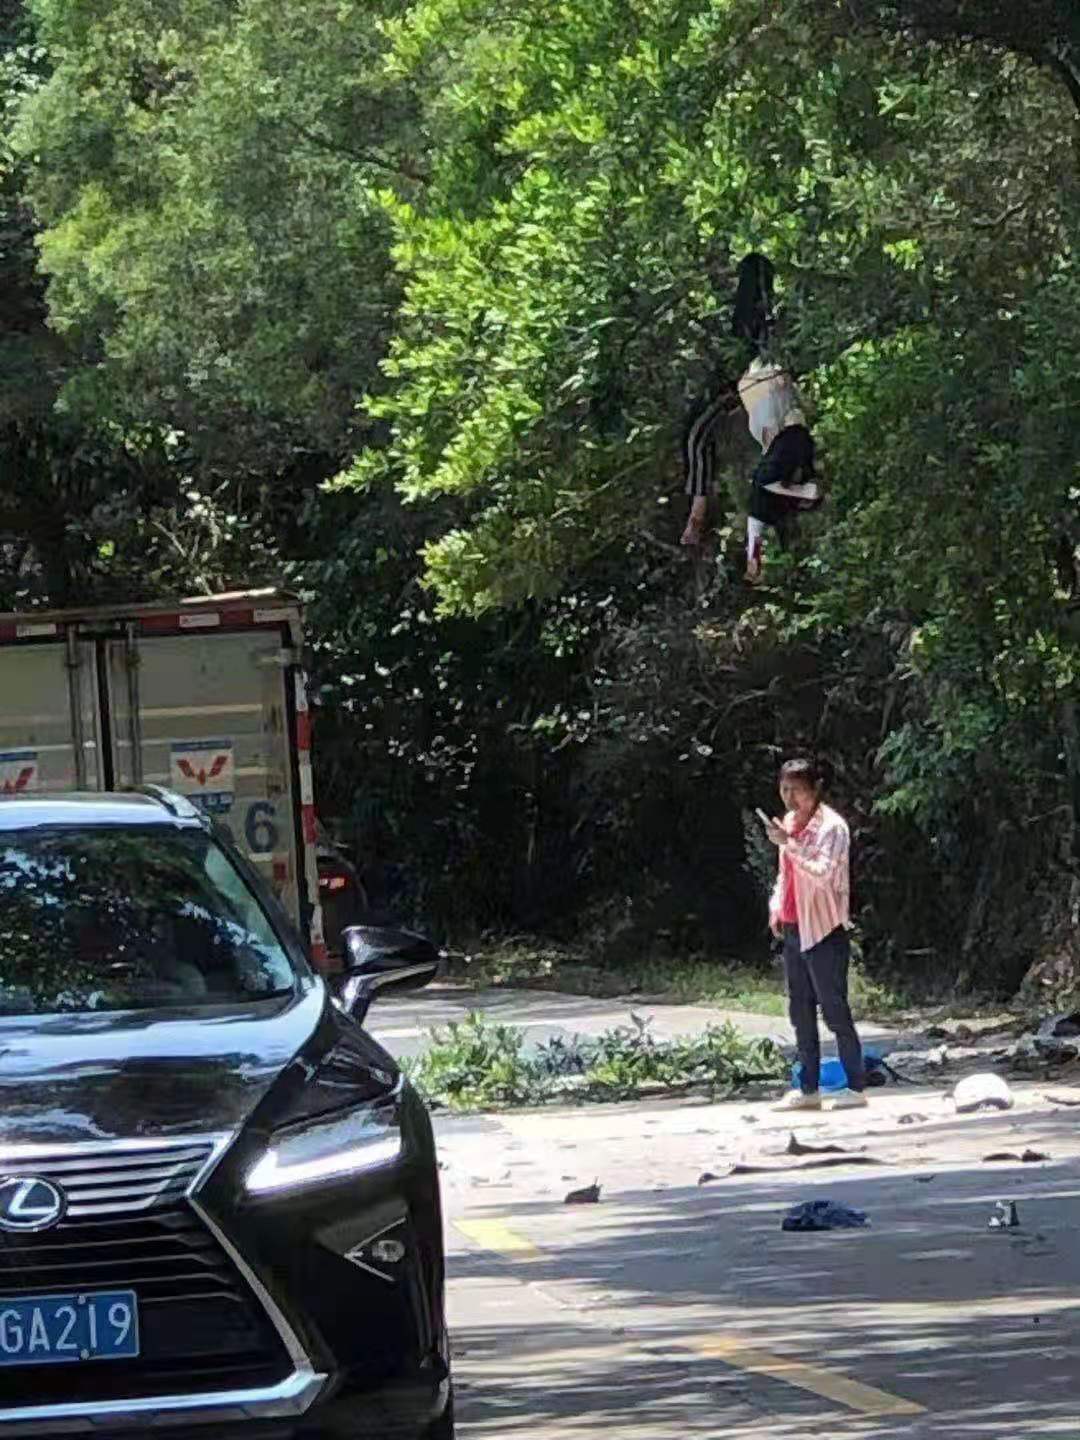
pixel 848 1100
pixel 797 1100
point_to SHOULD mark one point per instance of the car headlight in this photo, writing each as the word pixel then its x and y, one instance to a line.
pixel 344 1144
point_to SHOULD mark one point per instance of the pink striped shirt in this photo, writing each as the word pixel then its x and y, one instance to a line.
pixel 820 856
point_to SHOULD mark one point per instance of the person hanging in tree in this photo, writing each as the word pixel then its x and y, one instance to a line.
pixel 783 481
pixel 751 323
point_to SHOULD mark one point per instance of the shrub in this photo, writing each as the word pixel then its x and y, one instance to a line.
pixel 478 1064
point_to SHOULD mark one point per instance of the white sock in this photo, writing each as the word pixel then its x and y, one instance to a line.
pixel 755 539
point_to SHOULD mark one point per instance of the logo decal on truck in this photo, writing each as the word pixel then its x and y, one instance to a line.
pixel 205 771
pixel 18 772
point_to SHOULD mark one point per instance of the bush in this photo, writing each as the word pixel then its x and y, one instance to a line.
pixel 478 1064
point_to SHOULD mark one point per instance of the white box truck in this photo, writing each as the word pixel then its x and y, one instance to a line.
pixel 206 698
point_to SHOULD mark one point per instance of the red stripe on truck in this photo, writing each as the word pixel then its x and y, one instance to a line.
pixel 303 730
pixel 220 617
pixel 214 616
pixel 28 629
pixel 307 815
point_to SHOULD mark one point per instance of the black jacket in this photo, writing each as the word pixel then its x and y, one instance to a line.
pixel 789 460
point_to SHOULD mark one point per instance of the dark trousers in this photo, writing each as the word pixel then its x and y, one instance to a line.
pixel 819 978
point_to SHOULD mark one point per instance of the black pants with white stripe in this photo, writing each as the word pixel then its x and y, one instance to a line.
pixel 699 444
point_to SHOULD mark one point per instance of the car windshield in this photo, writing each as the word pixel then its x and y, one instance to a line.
pixel 118 919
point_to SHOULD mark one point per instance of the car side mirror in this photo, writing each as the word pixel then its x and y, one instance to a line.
pixel 380 962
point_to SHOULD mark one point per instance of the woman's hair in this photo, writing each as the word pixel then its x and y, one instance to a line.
pixel 804 772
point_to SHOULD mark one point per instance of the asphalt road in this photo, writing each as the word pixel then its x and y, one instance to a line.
pixel 672 1309
pixel 404 1026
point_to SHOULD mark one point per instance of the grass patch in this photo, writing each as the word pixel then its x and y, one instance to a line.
pixel 479 1064
pixel 695 981
pixel 729 985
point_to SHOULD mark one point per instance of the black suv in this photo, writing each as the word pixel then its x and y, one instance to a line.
pixel 219 1201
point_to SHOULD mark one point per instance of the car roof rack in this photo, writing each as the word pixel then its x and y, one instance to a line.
pixel 177 805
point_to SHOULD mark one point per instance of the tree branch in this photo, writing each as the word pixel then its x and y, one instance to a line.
pixel 1005 216
pixel 1044 31
pixel 363 157
pixel 1071 77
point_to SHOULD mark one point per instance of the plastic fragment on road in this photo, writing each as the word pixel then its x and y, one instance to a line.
pixel 589 1196
pixel 982 1092
pixel 1006 1218
pixel 824 1215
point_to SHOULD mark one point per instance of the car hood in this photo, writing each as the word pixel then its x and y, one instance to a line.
pixel 139 1075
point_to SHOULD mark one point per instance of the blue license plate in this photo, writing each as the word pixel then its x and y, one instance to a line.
pixel 51 1329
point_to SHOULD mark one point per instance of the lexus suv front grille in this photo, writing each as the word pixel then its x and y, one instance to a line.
pixel 115 1179
pixel 129 1226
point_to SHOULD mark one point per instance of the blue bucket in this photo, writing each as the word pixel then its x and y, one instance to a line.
pixel 834 1076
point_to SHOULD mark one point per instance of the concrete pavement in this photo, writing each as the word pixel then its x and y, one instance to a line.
pixel 672 1309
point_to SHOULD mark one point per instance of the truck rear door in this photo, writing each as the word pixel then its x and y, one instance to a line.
pixel 207 716
pixel 48 714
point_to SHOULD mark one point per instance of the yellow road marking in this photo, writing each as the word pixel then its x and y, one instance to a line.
pixel 494 1235
pixel 825 1383
pixel 498 1237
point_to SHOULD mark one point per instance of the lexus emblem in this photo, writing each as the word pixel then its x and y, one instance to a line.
pixel 30 1203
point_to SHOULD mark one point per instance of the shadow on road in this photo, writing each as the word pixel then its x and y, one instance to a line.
pixel 978 1327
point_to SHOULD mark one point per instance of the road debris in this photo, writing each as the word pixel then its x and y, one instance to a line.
pixel 925 1179
pixel 824 1215
pixel 913 1119
pixel 589 1196
pixel 822 1162
pixel 1059 1036
pixel 1029 1157
pixel 982 1092
pixel 795 1146
pixel 1006 1218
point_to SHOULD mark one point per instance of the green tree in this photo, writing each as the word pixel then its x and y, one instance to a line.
pixel 205 174
pixel 515 231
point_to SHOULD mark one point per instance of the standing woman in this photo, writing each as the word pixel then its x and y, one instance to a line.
pixel 810 911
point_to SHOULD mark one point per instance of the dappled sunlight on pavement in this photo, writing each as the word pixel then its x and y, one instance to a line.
pixel 688 1310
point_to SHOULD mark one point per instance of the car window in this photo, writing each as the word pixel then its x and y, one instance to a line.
pixel 111 919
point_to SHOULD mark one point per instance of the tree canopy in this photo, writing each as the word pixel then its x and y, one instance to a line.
pixel 408 302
